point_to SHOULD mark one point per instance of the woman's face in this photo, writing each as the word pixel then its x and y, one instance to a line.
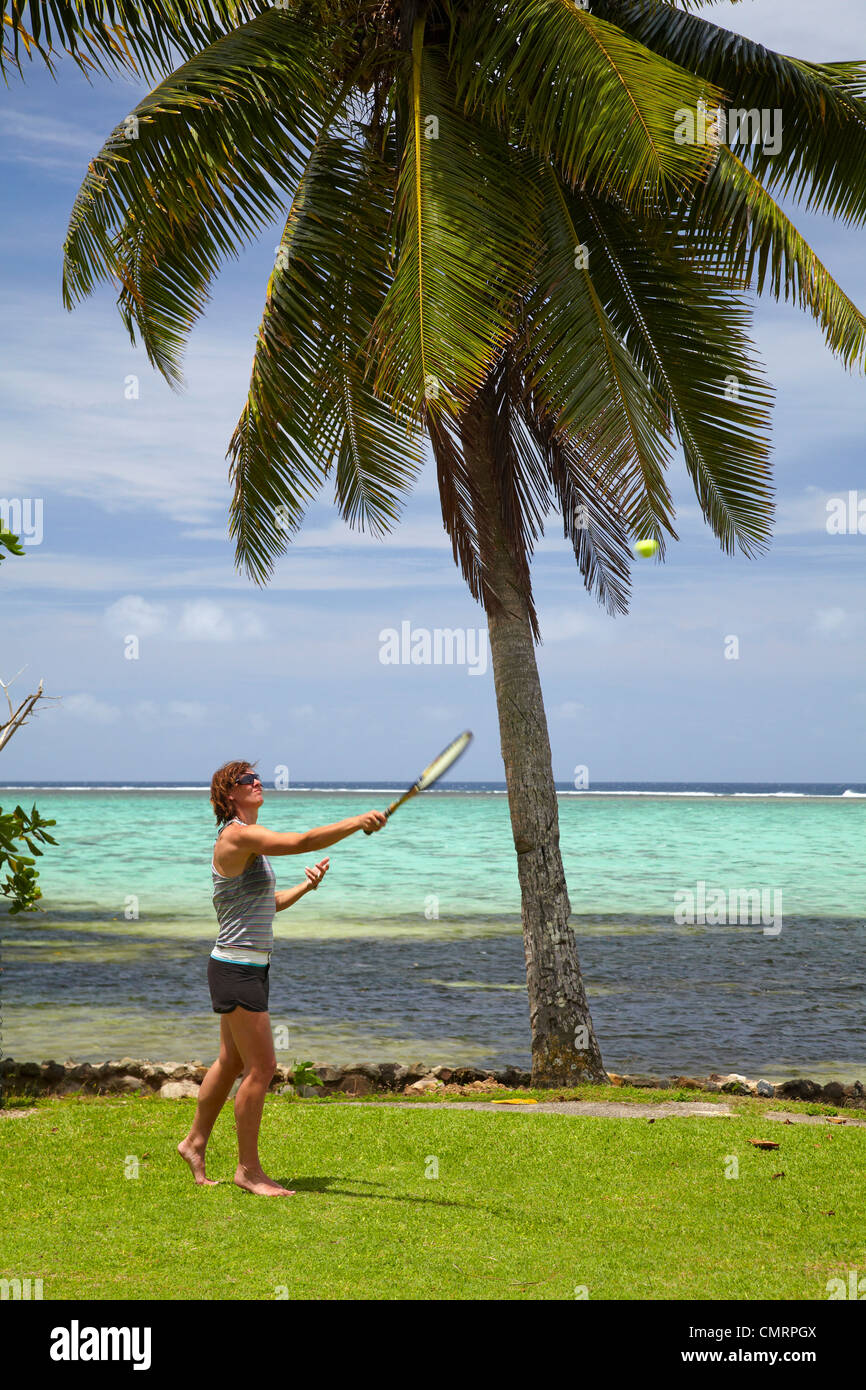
pixel 247 792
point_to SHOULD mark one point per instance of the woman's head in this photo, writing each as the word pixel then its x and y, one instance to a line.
pixel 235 788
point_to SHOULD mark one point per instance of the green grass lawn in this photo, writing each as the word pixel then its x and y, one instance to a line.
pixel 525 1206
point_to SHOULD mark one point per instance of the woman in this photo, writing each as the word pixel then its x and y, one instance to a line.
pixel 238 969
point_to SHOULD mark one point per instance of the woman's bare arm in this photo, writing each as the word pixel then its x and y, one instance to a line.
pixel 284 897
pixel 240 841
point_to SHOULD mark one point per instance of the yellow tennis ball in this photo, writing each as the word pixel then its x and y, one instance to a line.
pixel 646 548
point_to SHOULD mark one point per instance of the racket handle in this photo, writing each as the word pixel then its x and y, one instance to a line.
pixel 387 814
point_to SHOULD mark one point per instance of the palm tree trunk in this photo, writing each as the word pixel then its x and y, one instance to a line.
pixel 564 1047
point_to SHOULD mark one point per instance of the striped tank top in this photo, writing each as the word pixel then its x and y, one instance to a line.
pixel 245 906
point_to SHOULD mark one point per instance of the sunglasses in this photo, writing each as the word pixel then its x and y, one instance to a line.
pixel 248 780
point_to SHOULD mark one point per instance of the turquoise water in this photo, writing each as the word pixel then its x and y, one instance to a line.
pixel 412 948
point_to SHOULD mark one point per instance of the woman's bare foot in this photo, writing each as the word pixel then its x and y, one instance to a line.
pixel 257 1181
pixel 195 1158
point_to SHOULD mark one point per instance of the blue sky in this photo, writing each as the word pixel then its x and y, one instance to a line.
pixel 135 497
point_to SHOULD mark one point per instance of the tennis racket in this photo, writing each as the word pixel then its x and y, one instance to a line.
pixel 447 758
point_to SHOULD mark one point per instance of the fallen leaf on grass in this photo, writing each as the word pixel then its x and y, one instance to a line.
pixel 836 1120
pixel 476 1275
pixel 531 1284
pixel 778 1175
pixel 828 1213
pixel 764 1143
pixel 521 1101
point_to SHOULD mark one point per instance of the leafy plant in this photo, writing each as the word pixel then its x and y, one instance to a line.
pixel 304 1075
pixel 16 828
pixel 10 542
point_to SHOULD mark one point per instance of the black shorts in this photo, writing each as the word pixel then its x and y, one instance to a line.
pixel 233 985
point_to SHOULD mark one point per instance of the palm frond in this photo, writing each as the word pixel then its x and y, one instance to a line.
pixel 678 4
pixel 738 230
pixel 821 159
pixel 592 516
pixel 522 486
pixel 310 400
pixel 197 170
pixel 579 92
pixel 688 332
pixel 465 236
pixel 110 35
pixel 468 523
pixel 582 374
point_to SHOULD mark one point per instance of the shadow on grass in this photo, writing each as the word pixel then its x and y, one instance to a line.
pixel 324 1183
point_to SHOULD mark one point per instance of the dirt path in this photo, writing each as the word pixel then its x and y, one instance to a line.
pixel 616 1110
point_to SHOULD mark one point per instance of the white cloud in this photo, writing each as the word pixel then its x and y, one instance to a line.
pixel 187 711
pixel 832 619
pixel 149 714
pixel 133 614
pixel 374 567
pixel 569 709
pixel 798 515
pixel 812 511
pixel 300 712
pixel 252 627
pixel 198 620
pixel 146 713
pixel 563 625
pixel 164 450
pixel 438 713
pixel 419 533
pixel 48 142
pixel 204 621
pixel 206 533
pixel 87 707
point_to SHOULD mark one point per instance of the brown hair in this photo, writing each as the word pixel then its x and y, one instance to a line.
pixel 221 786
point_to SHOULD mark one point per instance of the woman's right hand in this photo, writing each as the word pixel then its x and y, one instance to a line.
pixel 372 820
pixel 315 875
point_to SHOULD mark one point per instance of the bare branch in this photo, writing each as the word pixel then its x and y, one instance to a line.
pixel 5 687
pixel 18 716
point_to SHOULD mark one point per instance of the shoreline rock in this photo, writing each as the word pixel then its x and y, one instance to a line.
pixel 179 1080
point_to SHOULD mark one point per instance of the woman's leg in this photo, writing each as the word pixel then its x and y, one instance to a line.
pixel 254 1041
pixel 212 1096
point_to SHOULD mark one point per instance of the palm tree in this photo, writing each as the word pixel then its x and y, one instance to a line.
pixel 495 238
